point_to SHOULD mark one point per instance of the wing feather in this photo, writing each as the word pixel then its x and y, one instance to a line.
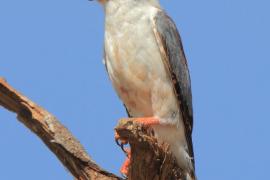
pixel 171 49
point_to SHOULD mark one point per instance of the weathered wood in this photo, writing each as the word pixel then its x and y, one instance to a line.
pixel 57 138
pixel 149 159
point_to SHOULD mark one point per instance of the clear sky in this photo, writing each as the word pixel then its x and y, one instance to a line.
pixel 52 52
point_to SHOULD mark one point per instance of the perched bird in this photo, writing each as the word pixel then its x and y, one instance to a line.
pixel 146 63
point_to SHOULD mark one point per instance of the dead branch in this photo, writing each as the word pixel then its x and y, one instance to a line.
pixel 149 161
pixel 57 138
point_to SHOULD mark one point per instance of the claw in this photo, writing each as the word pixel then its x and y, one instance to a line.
pixel 145 121
pixel 120 142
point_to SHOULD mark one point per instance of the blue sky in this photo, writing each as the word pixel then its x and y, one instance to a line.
pixel 52 51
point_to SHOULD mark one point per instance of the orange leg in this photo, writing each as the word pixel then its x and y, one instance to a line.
pixel 147 121
pixel 125 167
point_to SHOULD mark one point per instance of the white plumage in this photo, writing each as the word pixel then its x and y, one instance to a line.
pixel 138 74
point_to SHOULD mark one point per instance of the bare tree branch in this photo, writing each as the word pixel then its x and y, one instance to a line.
pixel 149 160
pixel 58 139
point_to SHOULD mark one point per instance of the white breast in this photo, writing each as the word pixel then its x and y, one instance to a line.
pixel 135 65
pixel 136 69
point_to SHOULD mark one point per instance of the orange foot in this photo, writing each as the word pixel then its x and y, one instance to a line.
pixel 125 167
pixel 120 142
pixel 145 121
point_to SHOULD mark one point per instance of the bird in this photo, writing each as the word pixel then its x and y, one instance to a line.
pixel 146 63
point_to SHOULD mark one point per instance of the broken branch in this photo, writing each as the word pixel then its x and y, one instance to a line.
pixel 149 159
pixel 57 138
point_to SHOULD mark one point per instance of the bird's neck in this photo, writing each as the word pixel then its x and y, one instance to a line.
pixel 113 7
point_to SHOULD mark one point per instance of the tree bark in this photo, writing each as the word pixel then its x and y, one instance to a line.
pixel 148 159
pixel 57 138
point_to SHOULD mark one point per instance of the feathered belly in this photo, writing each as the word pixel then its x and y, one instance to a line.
pixel 140 79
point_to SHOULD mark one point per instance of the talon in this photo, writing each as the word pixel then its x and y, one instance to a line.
pixel 146 121
pixel 120 142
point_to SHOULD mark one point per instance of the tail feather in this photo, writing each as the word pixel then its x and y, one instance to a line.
pixel 190 176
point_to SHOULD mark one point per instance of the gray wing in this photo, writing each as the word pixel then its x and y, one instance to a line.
pixel 171 49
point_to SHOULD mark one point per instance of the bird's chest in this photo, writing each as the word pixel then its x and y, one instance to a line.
pixel 136 69
pixel 130 66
